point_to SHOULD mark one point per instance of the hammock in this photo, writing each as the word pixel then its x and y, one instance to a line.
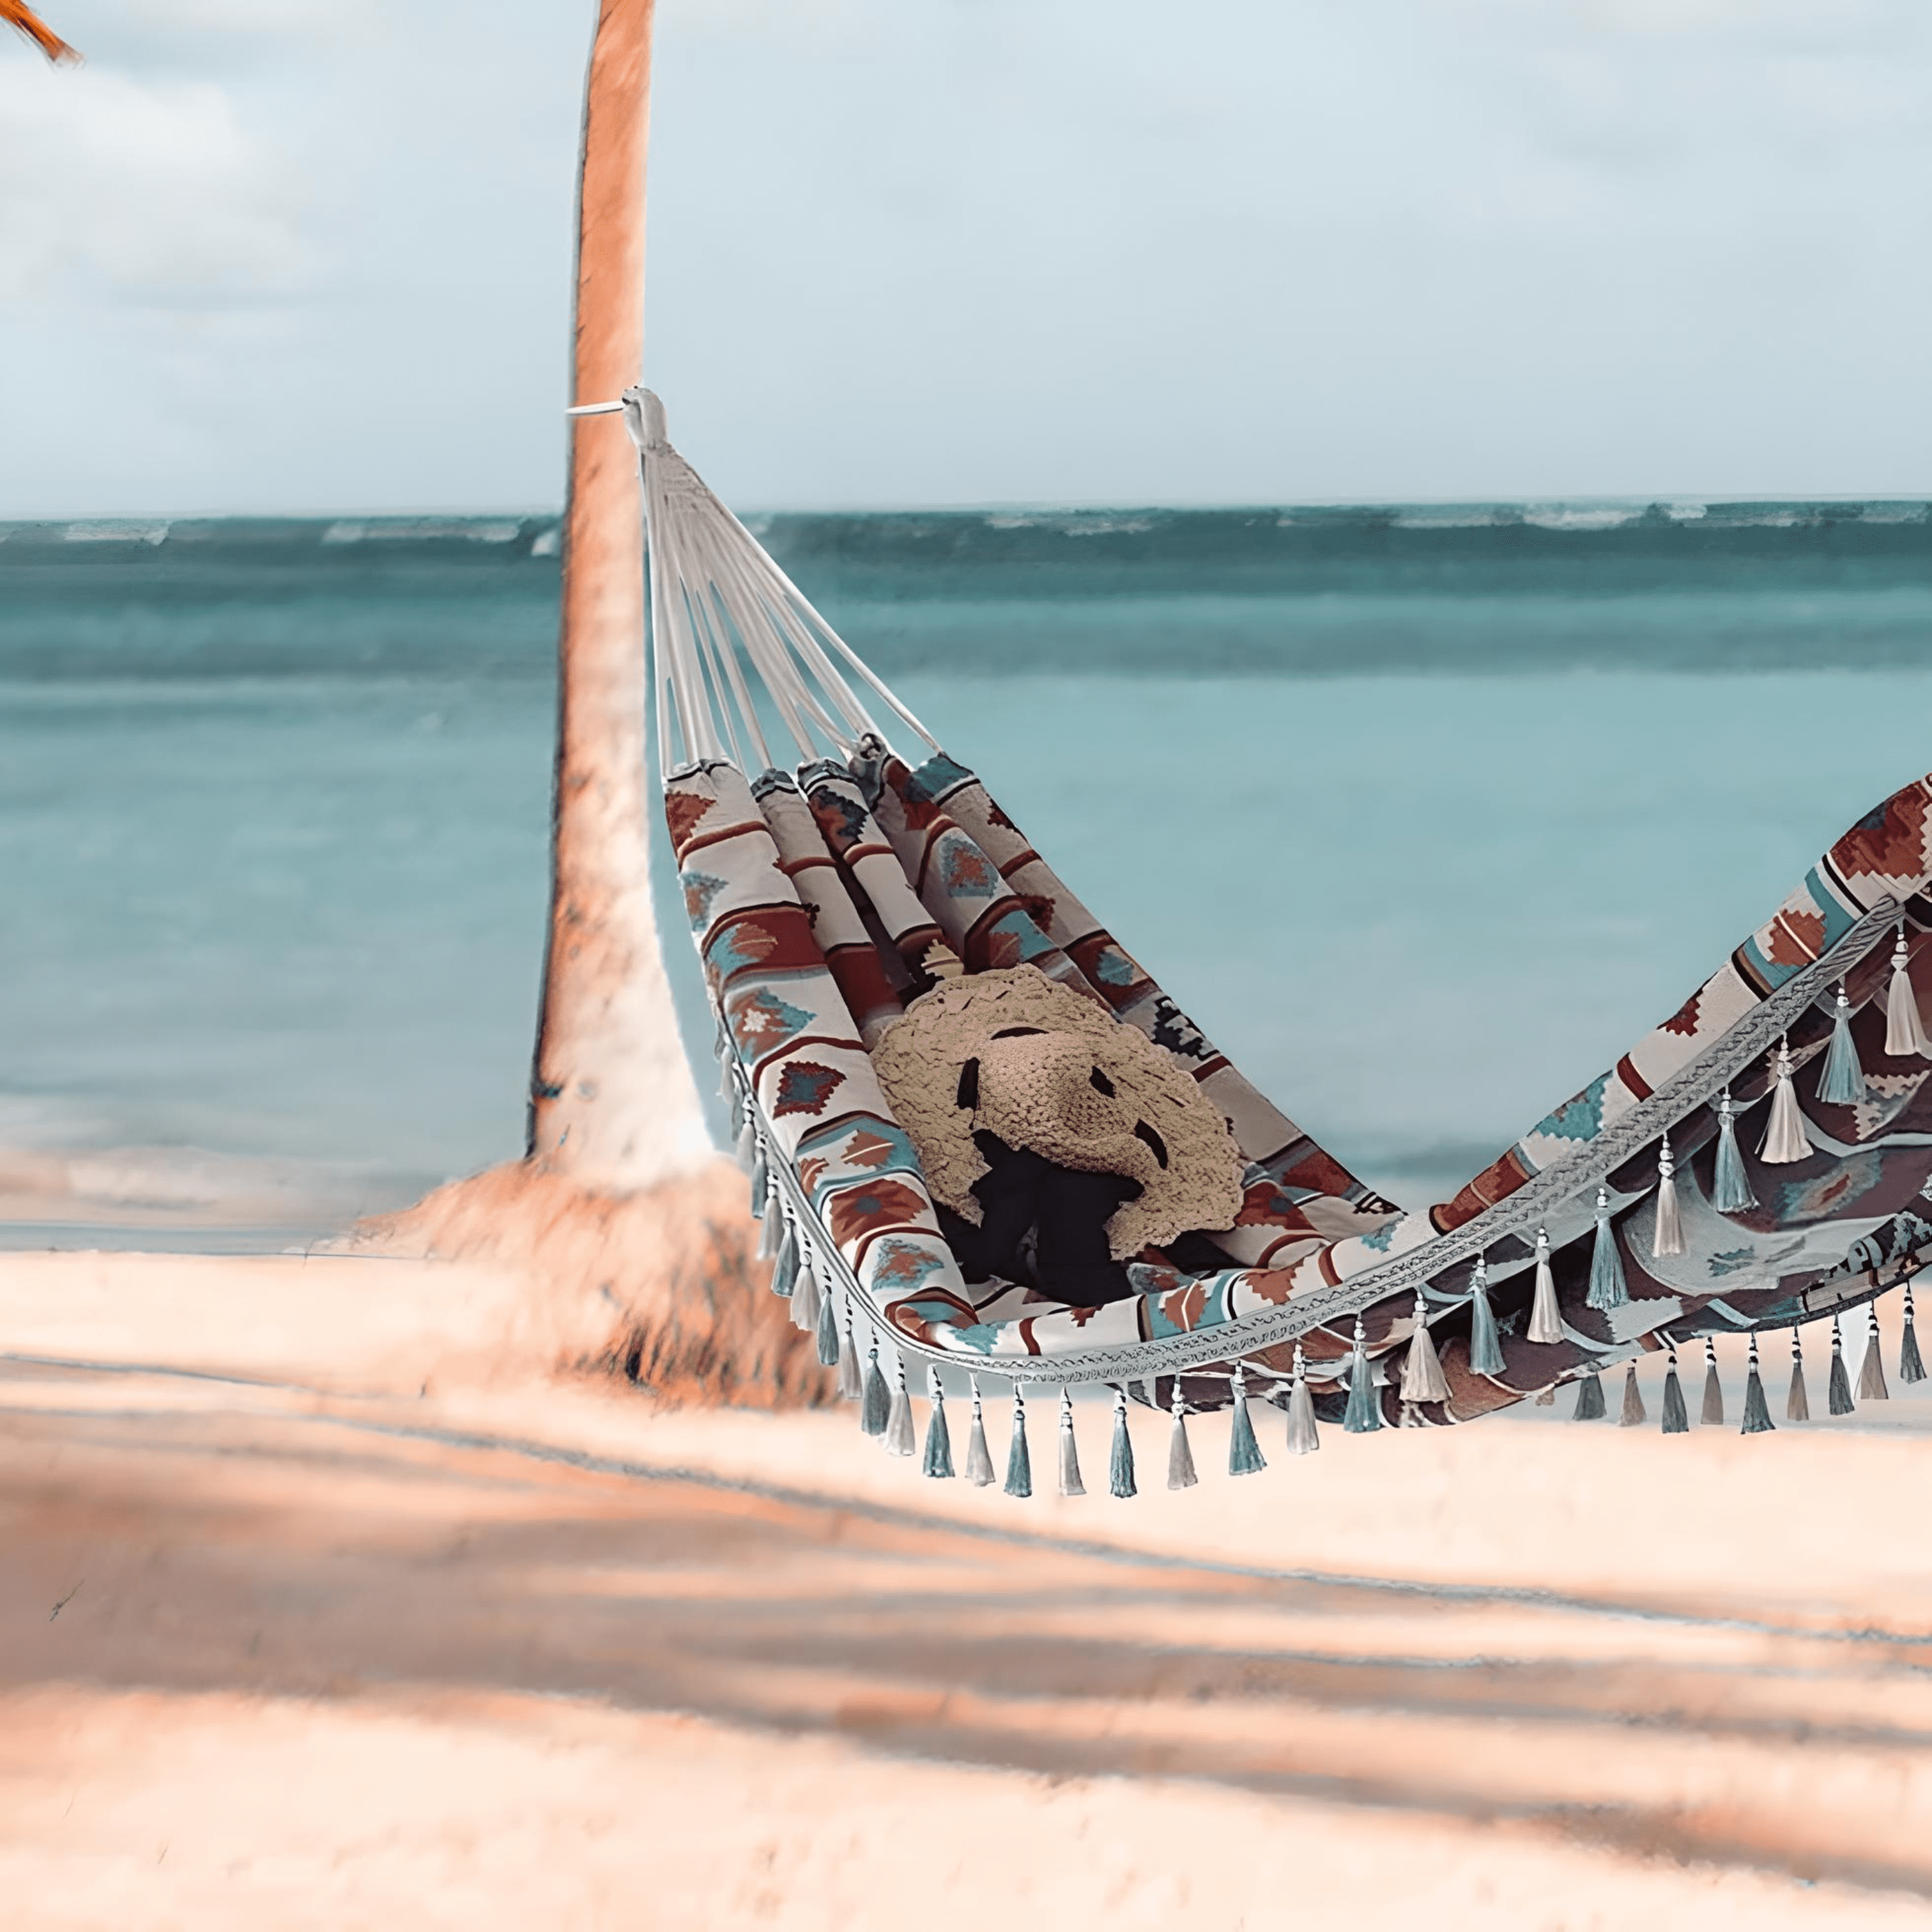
pixel 1760 1160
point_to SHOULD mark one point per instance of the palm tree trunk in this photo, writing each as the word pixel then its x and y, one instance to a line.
pixel 613 1105
pixel 621 1198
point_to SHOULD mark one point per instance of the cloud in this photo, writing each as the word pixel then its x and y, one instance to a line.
pixel 149 192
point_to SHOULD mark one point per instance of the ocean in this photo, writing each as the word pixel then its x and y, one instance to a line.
pixel 1424 812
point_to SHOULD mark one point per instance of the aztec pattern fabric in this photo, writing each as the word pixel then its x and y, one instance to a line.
pixel 820 908
pixel 784 1016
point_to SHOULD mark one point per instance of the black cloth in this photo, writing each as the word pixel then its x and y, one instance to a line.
pixel 1042 1225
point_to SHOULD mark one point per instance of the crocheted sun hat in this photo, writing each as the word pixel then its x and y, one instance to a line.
pixel 1044 1068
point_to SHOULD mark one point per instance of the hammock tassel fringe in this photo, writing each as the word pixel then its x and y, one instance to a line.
pixel 1904 1030
pixel 1486 1347
pixel 1757 1411
pixel 1871 1370
pixel 1607 1287
pixel 1838 1399
pixel 1842 1081
pixel 1180 1474
pixel 1786 1137
pixel 1303 1437
pixel 1633 1415
pixel 1070 1484
pixel 1676 1416
pixel 1244 1453
pixel 1667 1238
pixel 1019 1457
pixel 1120 1459
pixel 979 1471
pixel 1731 1188
pixel 1364 1415
pixel 937 1461
pixel 1422 1379
pixel 1546 1317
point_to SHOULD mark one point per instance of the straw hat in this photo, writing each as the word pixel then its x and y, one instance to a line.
pixel 1014 1054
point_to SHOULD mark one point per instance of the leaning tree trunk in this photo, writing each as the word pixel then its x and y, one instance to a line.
pixel 621 1207
pixel 612 1102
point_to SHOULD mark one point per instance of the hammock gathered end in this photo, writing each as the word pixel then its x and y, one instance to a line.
pixel 915 1011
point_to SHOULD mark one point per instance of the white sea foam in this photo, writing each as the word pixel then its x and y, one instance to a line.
pixel 418 529
pixel 118 530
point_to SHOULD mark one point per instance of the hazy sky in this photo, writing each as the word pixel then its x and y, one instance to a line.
pixel 312 254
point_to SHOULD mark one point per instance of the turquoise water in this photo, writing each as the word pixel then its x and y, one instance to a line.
pixel 1423 821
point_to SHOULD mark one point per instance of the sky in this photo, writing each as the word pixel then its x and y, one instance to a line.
pixel 315 255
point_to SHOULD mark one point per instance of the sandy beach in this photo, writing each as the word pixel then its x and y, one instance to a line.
pixel 323 1609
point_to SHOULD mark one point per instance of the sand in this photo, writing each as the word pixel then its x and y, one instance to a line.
pixel 322 1609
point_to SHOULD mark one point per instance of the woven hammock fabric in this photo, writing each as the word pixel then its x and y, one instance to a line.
pixel 821 897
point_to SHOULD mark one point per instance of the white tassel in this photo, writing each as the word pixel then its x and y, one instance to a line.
pixel 1871 1370
pixel 1070 1484
pixel 1304 1438
pixel 1180 1456
pixel 1668 1238
pixel 771 1228
pixel 1422 1369
pixel 979 1471
pixel 1904 1030
pixel 1785 1139
pixel 1546 1319
pixel 805 1300
pixel 898 1418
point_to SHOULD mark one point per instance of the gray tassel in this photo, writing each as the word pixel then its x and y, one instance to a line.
pixel 851 1379
pixel 1019 1458
pixel 1904 1030
pixel 1785 1137
pixel 1797 1400
pixel 1485 1347
pixel 1843 1082
pixel 1364 1415
pixel 938 1459
pixel 1070 1484
pixel 1633 1415
pixel 875 1406
pixel 805 1301
pixel 1589 1399
pixel 1713 1410
pixel 1731 1191
pixel 1607 1289
pixel 1422 1368
pixel 1871 1370
pixel 784 1266
pixel 763 1200
pixel 1911 1368
pixel 898 1418
pixel 828 1332
pixel 1668 1237
pixel 1546 1318
pixel 741 1116
pixel 1180 1456
pixel 1120 1462
pixel 771 1224
pixel 1757 1413
pixel 978 1458
pixel 1838 1400
pixel 1244 1453
pixel 747 1147
pixel 1676 1416
pixel 1303 1437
